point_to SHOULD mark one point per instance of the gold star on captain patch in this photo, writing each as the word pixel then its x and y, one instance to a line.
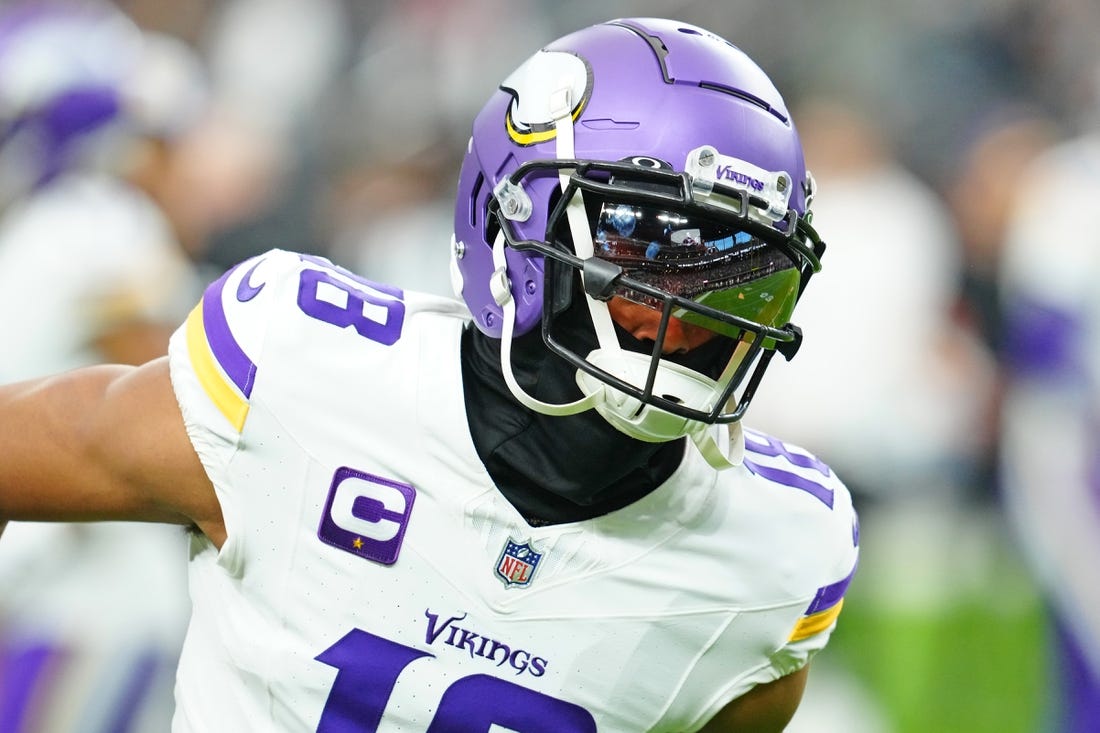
pixel 358 543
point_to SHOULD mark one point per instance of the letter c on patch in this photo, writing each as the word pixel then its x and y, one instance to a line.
pixel 358 506
pixel 366 515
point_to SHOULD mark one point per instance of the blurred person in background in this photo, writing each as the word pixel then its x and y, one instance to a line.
pixel 994 160
pixel 983 90
pixel 900 358
pixel 274 66
pixel 1050 457
pixel 1026 293
pixel 250 175
pixel 907 422
pixel 92 269
pixel 92 112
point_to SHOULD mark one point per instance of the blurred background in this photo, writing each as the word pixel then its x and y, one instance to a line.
pixel 949 367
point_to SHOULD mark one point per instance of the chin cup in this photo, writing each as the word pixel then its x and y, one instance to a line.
pixel 635 418
pixel 721 446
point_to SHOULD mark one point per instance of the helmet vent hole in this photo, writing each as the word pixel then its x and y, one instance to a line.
pixel 478 183
pixel 689 31
pixel 672 398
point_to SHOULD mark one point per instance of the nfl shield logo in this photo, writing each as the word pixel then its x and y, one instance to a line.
pixel 517 563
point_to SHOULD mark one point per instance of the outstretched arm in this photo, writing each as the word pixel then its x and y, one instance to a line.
pixel 763 709
pixel 102 443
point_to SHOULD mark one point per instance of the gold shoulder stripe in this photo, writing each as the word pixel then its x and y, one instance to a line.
pixel 816 623
pixel 217 388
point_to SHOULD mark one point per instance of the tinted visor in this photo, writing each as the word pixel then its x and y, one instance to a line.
pixel 710 262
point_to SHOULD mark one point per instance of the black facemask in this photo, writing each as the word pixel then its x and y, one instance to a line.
pixel 553 469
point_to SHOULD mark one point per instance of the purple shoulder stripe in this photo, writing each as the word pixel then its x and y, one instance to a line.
pixel 829 595
pixel 238 367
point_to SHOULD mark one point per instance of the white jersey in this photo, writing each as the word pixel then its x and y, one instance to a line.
pixel 374 579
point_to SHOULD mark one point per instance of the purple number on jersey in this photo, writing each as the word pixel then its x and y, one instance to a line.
pixel 765 445
pixel 368 670
pixel 353 310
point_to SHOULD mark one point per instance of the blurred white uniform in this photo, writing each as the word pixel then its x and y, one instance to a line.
pixel 374 579
pixel 1051 415
pixel 91 623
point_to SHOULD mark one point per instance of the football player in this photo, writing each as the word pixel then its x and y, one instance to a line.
pixel 535 508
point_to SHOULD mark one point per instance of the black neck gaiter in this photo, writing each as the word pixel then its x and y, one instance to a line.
pixel 552 469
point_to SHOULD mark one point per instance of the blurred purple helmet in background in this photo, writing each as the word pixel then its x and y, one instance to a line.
pixel 73 73
pixel 60 69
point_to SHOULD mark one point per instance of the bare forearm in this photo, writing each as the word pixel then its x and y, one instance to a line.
pixel 59 449
pixel 46 470
pixel 102 443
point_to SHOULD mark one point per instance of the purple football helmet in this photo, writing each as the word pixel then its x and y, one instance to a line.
pixel 649 160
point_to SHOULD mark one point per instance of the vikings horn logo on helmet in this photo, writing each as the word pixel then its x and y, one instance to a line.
pixel 530 119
